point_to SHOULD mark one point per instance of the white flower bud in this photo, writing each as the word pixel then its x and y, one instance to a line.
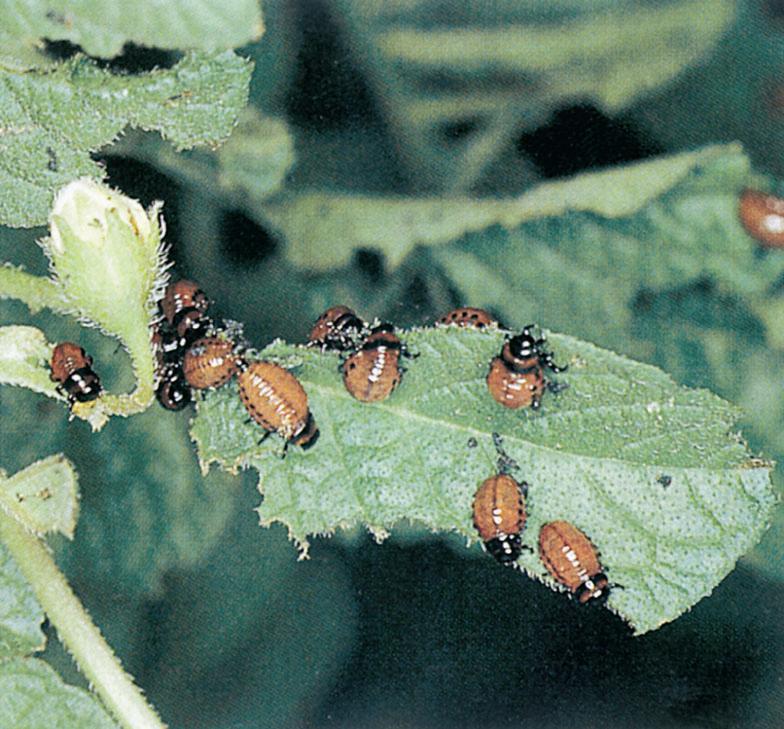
pixel 85 204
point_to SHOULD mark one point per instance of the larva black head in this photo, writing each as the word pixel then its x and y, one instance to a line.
pixel 595 590
pixel 343 332
pixel 526 350
pixel 505 549
pixel 309 435
pixel 525 345
pixel 170 342
pixel 348 322
pixel 382 335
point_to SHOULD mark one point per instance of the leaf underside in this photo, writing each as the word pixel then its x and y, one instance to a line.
pixel 51 120
pixel 103 27
pixel 20 614
pixel 44 497
pixel 32 696
pixel 594 455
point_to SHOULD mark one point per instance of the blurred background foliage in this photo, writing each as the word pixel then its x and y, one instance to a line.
pixel 414 106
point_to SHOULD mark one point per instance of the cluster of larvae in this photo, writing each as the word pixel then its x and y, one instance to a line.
pixel 195 354
pixel 516 377
pixel 500 515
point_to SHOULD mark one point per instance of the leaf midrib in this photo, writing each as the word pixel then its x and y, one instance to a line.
pixel 405 414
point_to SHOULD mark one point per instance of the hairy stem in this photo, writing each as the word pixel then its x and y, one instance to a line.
pixel 76 629
pixel 144 370
pixel 37 292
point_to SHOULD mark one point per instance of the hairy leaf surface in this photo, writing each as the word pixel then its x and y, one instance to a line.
pixel 24 359
pixel 649 470
pixel 44 497
pixel 20 614
pixel 33 696
pixel 103 27
pixel 51 120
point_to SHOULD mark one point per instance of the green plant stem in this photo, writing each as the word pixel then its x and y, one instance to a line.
pixel 76 629
pixel 138 344
pixel 35 291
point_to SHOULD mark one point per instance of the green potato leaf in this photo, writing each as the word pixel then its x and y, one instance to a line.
pixel 584 270
pixel 597 455
pixel 51 120
pixel 24 359
pixel 257 156
pixel 44 497
pixel 33 696
pixel 492 70
pixel 20 614
pixel 103 27
pixel 323 229
pixel 248 168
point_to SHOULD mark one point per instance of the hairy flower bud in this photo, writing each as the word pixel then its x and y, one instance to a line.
pixel 105 254
pixel 106 257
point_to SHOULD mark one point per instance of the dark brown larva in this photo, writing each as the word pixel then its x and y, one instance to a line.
pixel 337 328
pixel 762 216
pixel 210 362
pixel 72 369
pixel 468 316
pixel 166 344
pixel 573 561
pixel 499 516
pixel 275 399
pixel 184 306
pixel 191 325
pixel 373 372
pixel 173 391
pixel 516 378
pixel 181 296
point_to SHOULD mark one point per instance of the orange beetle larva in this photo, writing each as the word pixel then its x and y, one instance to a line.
pixel 181 296
pixel 468 316
pixel 210 362
pixel 337 328
pixel 499 516
pixel 373 372
pixel 275 399
pixel 762 216
pixel 184 306
pixel 72 368
pixel 572 560
pixel 516 377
